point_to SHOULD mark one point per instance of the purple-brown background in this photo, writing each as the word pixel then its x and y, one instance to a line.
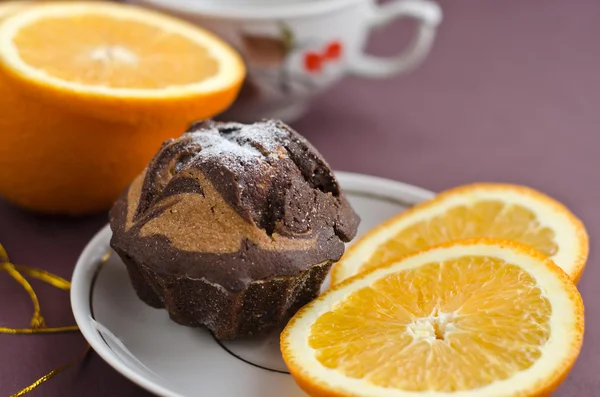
pixel 511 92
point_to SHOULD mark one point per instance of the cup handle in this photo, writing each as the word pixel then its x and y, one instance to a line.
pixel 429 15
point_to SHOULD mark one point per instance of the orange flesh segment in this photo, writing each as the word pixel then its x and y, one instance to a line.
pixel 118 53
pixel 483 219
pixel 450 326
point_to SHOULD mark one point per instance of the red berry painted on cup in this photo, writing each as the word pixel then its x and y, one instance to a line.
pixel 312 62
pixel 333 51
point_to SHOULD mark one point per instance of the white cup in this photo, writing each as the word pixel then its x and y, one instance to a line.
pixel 295 49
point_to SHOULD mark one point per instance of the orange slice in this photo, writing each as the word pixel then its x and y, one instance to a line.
pixel 480 210
pixel 473 318
pixel 119 62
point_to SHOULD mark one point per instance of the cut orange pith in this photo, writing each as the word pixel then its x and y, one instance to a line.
pixel 10 7
pixel 471 318
pixel 480 210
pixel 108 59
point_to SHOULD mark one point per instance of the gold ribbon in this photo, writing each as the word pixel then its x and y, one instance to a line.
pixel 38 324
pixel 50 375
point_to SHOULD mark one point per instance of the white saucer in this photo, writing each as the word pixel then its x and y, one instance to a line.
pixel 171 360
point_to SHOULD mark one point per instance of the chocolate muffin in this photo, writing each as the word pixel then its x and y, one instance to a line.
pixel 232 227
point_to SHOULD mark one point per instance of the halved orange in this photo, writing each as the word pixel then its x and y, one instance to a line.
pixel 88 93
pixel 491 210
pixel 471 318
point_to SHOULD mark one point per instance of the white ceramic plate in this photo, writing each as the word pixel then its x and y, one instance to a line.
pixel 172 360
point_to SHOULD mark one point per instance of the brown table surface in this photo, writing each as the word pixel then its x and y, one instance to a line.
pixel 509 93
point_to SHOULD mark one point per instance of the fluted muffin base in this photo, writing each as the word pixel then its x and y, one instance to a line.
pixel 256 310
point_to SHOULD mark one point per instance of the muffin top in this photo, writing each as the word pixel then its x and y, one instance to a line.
pixel 233 203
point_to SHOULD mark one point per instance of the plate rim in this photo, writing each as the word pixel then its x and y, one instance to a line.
pixel 87 268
